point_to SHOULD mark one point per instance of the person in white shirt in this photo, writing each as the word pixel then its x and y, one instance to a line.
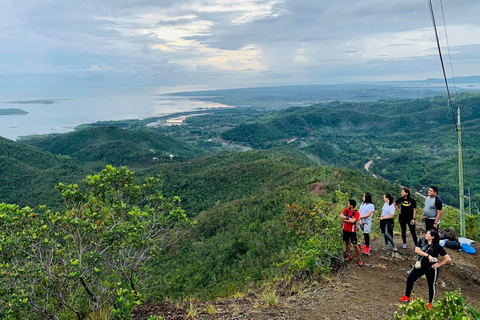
pixel 387 222
pixel 366 211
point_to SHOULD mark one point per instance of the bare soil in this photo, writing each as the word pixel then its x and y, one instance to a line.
pixel 353 292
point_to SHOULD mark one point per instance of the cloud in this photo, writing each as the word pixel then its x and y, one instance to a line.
pixel 226 42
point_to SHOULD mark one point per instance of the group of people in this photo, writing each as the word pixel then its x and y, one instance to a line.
pixel 427 248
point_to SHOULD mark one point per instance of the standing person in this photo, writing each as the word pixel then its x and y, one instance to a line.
pixel 387 222
pixel 428 250
pixel 433 209
pixel 366 211
pixel 407 216
pixel 350 217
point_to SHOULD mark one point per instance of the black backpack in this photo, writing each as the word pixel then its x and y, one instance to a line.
pixel 453 244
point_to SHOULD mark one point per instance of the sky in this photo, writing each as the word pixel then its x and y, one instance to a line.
pixel 232 43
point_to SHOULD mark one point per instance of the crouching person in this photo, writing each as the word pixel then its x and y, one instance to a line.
pixel 350 217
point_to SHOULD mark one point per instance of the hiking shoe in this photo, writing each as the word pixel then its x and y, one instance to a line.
pixel 363 247
pixel 395 249
pixel 429 306
pixel 348 258
pixel 404 299
pixel 385 248
pixel 360 263
pixel 404 246
pixel 367 250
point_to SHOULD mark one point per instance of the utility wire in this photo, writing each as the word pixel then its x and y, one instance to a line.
pixel 443 65
pixel 448 48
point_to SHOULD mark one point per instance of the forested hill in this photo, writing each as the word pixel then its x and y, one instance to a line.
pixel 412 141
pixel 28 175
pixel 113 145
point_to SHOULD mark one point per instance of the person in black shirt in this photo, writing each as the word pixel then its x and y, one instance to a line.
pixel 428 250
pixel 407 216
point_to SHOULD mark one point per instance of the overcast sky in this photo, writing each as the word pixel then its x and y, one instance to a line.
pixel 231 43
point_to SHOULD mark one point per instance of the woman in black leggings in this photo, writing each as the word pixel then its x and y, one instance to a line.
pixel 428 250
pixel 407 216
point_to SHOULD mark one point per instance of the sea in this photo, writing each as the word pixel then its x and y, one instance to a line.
pixel 61 110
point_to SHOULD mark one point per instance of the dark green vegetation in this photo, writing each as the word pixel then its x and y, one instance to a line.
pixel 412 141
pixel 12 111
pixel 265 213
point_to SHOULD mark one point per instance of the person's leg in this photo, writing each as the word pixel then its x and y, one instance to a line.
pixel 389 234
pixel 431 276
pixel 382 228
pixel 412 277
pixel 413 232
pixel 366 236
pixel 429 224
pixel 403 227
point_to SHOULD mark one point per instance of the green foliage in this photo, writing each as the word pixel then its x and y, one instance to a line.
pixel 29 176
pixel 320 245
pixel 114 145
pixel 76 262
pixel 451 307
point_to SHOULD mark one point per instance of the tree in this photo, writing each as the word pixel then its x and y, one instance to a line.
pixel 65 265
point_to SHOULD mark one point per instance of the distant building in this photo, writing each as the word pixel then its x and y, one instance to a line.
pixel 171 156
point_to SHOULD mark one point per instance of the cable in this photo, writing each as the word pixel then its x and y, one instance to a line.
pixel 448 48
pixel 443 65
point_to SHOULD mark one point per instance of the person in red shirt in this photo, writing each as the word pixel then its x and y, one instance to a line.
pixel 350 217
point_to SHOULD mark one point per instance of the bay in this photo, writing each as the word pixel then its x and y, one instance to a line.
pixel 61 110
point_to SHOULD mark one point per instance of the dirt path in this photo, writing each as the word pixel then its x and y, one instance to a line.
pixel 368 292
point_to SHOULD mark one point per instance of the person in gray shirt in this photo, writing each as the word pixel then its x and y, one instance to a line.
pixel 433 209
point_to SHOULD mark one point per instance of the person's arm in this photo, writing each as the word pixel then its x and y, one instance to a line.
pixel 446 260
pixel 396 208
pixel 414 215
pixel 439 215
pixel 419 251
pixel 369 213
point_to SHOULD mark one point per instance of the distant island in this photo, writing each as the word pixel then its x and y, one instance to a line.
pixel 12 111
pixel 43 101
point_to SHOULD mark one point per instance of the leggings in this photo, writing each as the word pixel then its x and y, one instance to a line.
pixel 387 229
pixel 366 236
pixel 431 275
pixel 403 225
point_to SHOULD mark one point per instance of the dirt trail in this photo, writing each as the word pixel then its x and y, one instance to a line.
pixel 368 292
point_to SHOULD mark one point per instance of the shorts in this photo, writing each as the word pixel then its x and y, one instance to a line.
pixel 350 237
pixel 366 225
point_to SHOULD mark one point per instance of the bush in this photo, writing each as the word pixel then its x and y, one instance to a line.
pixel 452 306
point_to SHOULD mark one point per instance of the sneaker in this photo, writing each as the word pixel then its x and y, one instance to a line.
pixel 363 247
pixel 367 250
pixel 348 258
pixel 429 306
pixel 360 263
pixel 385 248
pixel 404 246
pixel 404 299
pixel 395 249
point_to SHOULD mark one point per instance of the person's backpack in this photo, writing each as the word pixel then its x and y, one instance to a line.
pixel 468 248
pixel 453 244
pixel 449 233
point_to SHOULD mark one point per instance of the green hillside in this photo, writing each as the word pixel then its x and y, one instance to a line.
pixel 28 175
pixel 412 141
pixel 113 145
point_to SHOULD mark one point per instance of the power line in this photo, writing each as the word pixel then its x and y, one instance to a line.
pixel 441 61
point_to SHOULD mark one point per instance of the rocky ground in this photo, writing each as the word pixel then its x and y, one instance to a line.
pixel 368 292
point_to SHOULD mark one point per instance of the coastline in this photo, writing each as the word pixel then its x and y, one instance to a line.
pixel 72 114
